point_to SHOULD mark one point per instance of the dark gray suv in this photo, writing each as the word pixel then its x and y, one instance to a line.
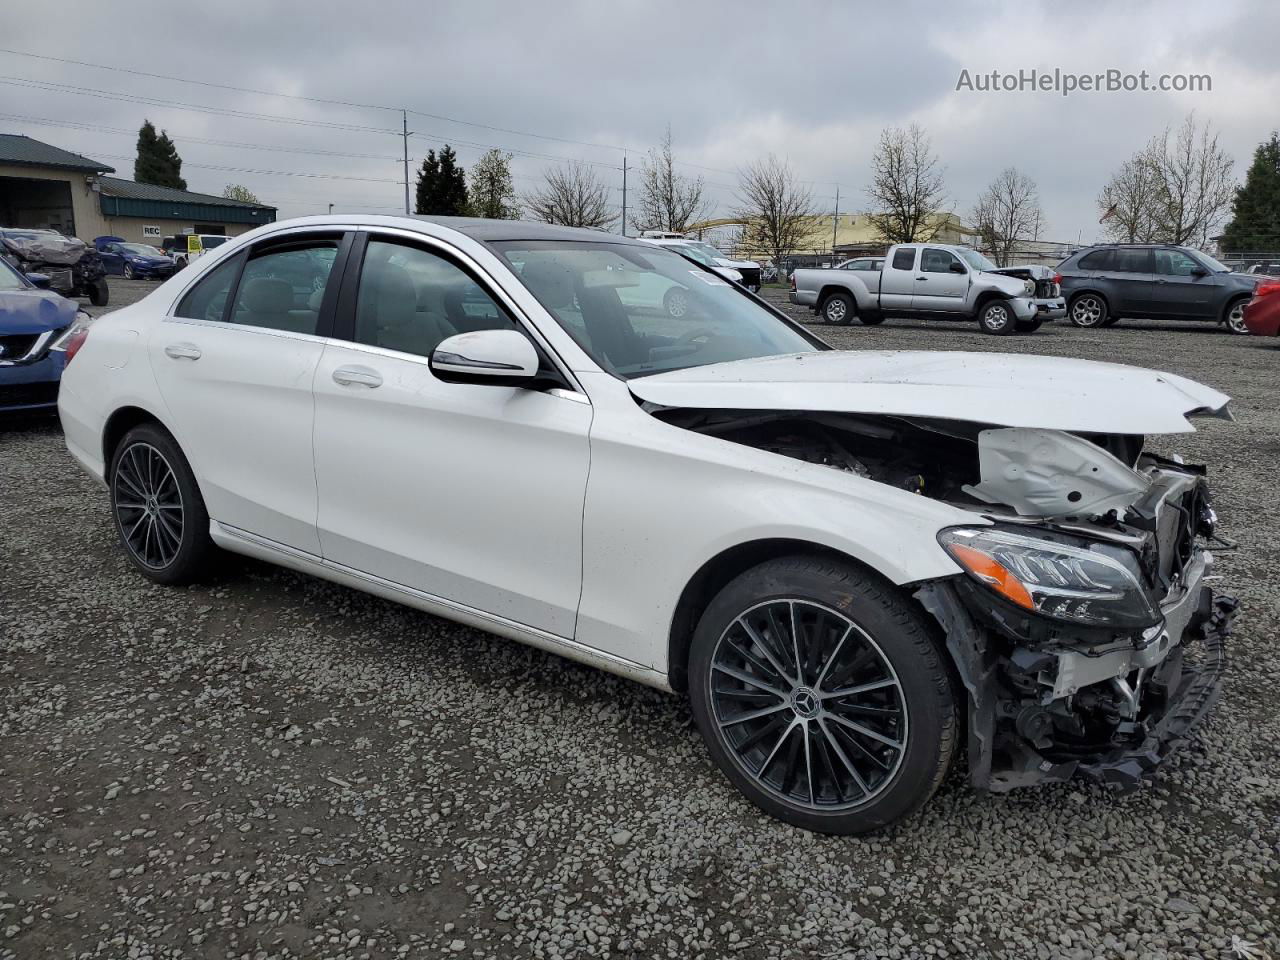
pixel 1105 283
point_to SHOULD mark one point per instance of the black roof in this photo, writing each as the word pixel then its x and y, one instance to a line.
pixel 131 189
pixel 488 231
pixel 22 151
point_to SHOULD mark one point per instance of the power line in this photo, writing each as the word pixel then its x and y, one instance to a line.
pixel 275 173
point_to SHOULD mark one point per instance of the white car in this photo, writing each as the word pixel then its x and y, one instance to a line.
pixel 853 563
pixel 748 271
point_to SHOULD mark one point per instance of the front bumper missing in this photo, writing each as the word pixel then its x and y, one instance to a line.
pixel 1002 754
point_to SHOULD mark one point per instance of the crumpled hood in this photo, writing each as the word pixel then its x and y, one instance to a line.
pixel 65 251
pixel 34 311
pixel 1001 389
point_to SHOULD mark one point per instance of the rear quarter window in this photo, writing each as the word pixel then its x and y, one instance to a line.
pixel 904 259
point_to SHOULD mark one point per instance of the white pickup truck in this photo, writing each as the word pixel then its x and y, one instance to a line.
pixel 920 280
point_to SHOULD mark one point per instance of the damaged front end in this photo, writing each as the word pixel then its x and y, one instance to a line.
pixel 73 267
pixel 1083 627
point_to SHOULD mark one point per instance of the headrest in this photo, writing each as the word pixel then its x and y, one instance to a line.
pixel 267 295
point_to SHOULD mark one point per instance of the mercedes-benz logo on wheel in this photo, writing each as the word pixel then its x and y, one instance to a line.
pixel 805 703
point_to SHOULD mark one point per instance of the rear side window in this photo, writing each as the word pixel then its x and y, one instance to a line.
pixel 1098 260
pixel 411 299
pixel 207 300
pixel 1131 261
pixel 904 259
pixel 283 289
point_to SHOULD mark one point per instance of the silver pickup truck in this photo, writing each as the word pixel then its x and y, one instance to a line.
pixel 921 280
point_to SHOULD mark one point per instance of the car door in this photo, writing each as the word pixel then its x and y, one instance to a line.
pixel 472 493
pixel 1130 281
pixel 938 288
pixel 1183 287
pixel 234 364
pixel 898 279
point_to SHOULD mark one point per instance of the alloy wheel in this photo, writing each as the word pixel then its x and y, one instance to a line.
pixel 1235 318
pixel 128 272
pixel 1086 312
pixel 148 505
pixel 996 317
pixel 835 310
pixel 808 705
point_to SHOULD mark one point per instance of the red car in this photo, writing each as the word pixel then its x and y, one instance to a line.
pixel 1262 313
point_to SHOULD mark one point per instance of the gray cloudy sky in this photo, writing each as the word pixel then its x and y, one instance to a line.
pixel 811 82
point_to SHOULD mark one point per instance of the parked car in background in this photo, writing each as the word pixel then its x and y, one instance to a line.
pixel 931 280
pixel 1108 282
pixel 1050 303
pixel 140 261
pixel 39 329
pixel 179 247
pixel 749 269
pixel 1262 313
pixel 72 267
pixel 700 256
pixel 858 565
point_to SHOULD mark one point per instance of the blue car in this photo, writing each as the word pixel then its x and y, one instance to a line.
pixel 39 330
pixel 134 260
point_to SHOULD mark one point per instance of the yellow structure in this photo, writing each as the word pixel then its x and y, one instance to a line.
pixel 854 233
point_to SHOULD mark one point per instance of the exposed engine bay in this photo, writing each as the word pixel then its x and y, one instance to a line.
pixel 1085 633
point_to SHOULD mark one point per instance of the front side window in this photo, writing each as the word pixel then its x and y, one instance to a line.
pixel 1175 263
pixel 411 299
pixel 904 259
pixel 936 261
pixel 640 310
pixel 207 300
pixel 282 289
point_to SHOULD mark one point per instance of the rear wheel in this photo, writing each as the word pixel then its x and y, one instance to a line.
pixel 822 695
pixel 838 308
pixel 996 317
pixel 159 513
pixel 98 293
pixel 1234 316
pixel 1088 310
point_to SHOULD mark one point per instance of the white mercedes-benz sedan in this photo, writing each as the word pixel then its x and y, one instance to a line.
pixel 853 563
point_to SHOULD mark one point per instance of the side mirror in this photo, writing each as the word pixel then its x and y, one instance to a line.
pixel 1199 272
pixel 498 357
pixel 41 280
pixel 958 267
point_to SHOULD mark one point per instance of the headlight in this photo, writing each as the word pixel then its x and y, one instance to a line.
pixel 1089 583
pixel 78 326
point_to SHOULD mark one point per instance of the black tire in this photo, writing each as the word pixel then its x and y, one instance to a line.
pixel 98 293
pixel 1111 321
pixel 1233 316
pixel 1088 310
pixel 127 273
pixel 997 318
pixel 871 319
pixel 838 308
pixel 151 483
pixel 885 644
pixel 676 302
pixel 1028 326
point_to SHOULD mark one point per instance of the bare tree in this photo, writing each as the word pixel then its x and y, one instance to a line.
pixel 1128 202
pixel 906 191
pixel 667 200
pixel 1008 210
pixel 573 196
pixel 775 208
pixel 1177 189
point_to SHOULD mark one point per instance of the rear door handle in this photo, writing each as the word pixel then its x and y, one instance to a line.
pixel 922 278
pixel 348 376
pixel 182 351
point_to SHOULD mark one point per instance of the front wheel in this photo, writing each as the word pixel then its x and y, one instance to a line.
pixel 128 271
pixel 822 695
pixel 159 513
pixel 1234 316
pixel 1088 310
pixel 997 318
pixel 838 308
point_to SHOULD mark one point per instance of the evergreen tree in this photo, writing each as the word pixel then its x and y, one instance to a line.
pixel 157 161
pixel 1255 222
pixel 442 185
pixel 491 193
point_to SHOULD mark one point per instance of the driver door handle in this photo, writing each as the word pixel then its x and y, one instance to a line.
pixel 182 351
pixel 349 376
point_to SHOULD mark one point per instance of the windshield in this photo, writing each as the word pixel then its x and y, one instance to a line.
pixel 1209 262
pixel 976 260
pixel 696 254
pixel 708 249
pixel 141 249
pixel 641 310
pixel 10 279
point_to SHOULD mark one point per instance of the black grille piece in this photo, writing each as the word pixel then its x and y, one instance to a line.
pixel 16 345
pixel 28 394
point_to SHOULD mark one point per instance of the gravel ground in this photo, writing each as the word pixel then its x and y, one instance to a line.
pixel 271 766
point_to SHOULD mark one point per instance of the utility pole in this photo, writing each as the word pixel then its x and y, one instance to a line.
pixel 835 220
pixel 404 125
pixel 624 193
